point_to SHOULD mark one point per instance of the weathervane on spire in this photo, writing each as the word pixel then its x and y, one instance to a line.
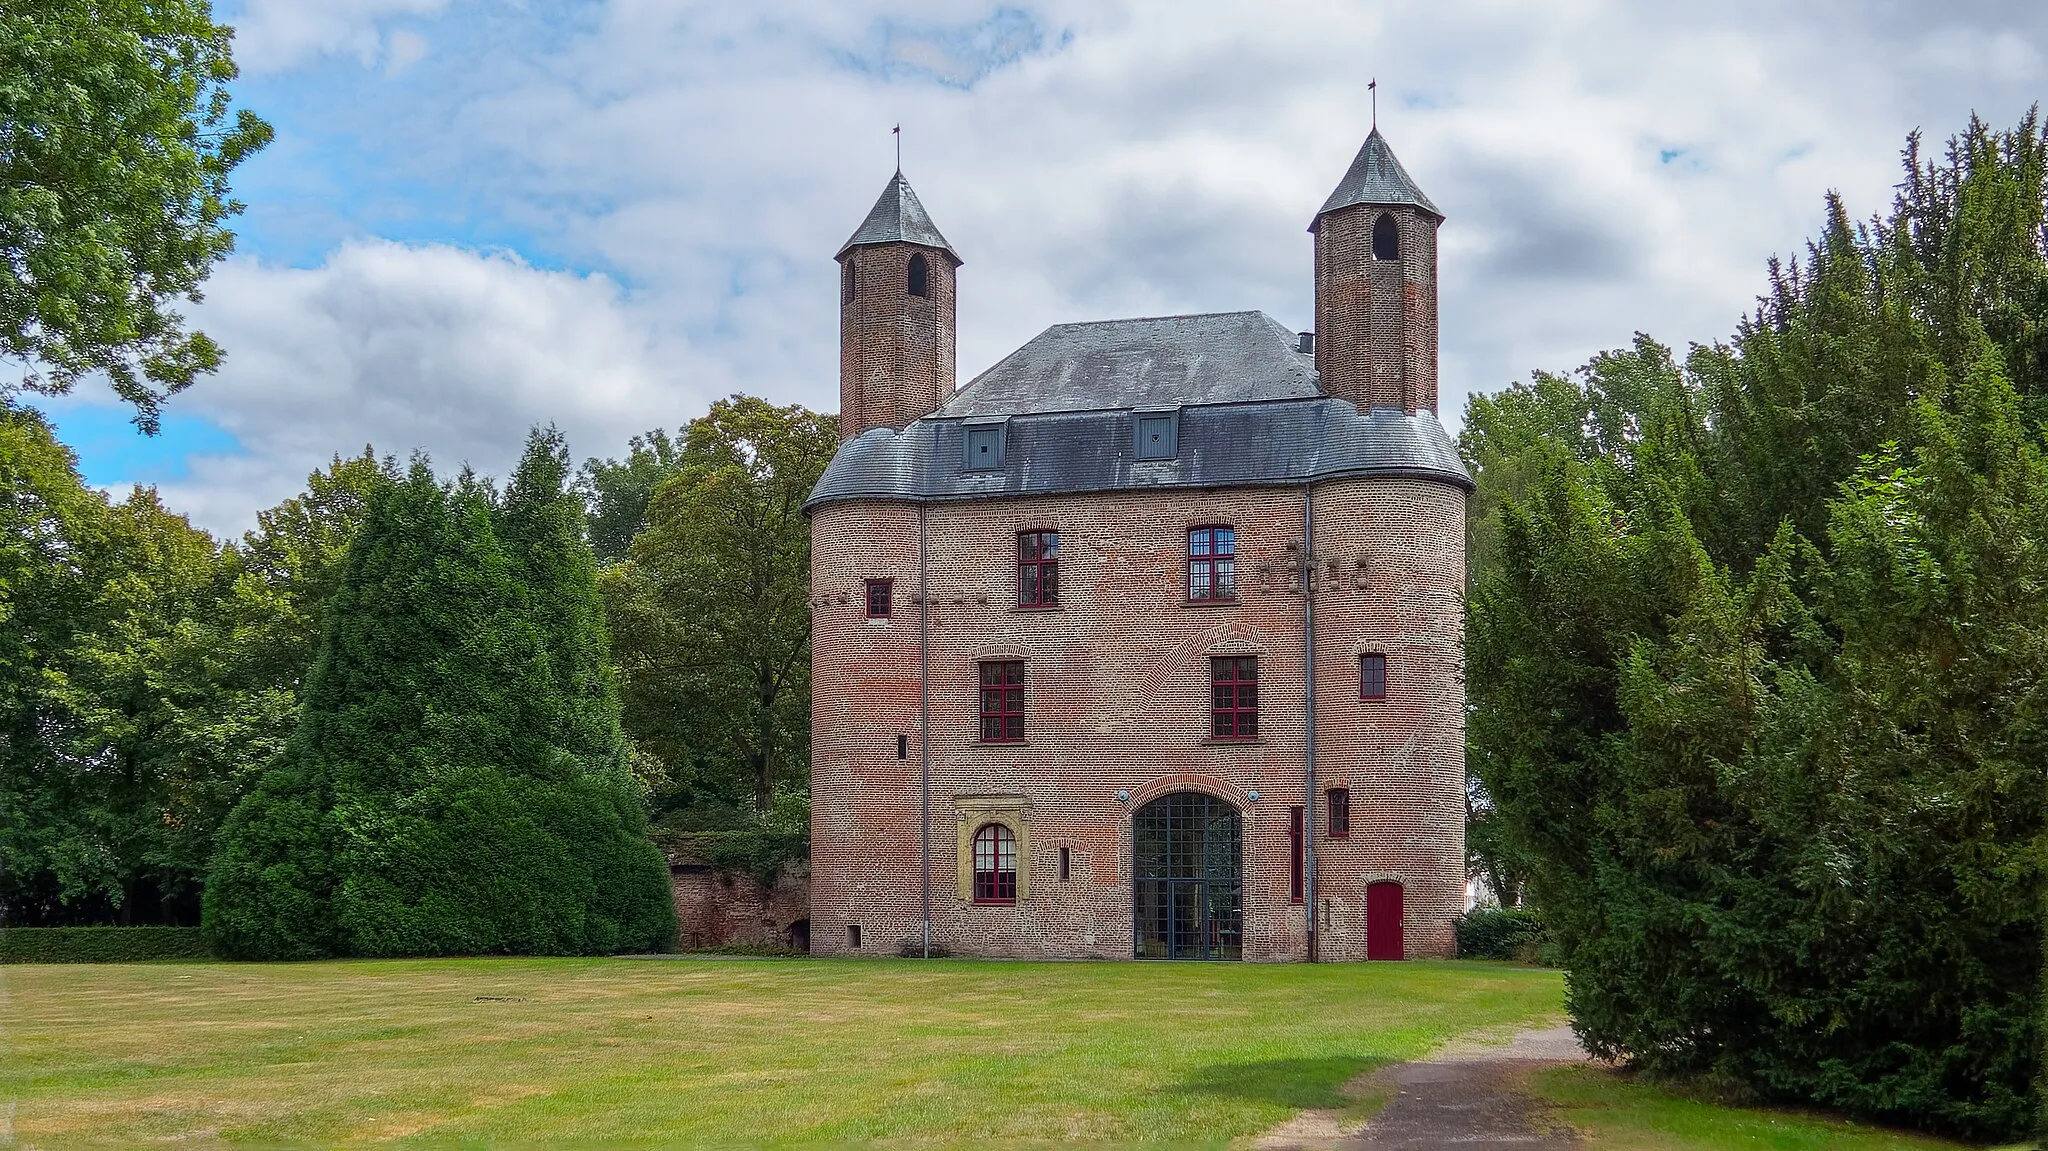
pixel 1373 87
pixel 897 131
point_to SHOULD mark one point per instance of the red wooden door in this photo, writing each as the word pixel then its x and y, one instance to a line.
pixel 1383 922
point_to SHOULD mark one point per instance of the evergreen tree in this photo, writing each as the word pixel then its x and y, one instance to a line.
pixel 427 802
pixel 1761 681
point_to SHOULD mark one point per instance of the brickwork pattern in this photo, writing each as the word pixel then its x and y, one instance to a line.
pixel 1117 699
pixel 1376 320
pixel 896 350
pixel 715 908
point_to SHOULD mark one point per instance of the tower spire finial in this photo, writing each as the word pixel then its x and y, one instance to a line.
pixel 1373 87
pixel 897 131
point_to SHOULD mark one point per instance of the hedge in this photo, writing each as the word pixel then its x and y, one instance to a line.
pixel 1500 933
pixel 101 944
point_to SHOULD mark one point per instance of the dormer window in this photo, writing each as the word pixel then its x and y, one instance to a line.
pixel 1157 435
pixel 983 445
pixel 920 275
pixel 1386 238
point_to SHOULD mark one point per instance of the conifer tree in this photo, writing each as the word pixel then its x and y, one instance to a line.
pixel 426 803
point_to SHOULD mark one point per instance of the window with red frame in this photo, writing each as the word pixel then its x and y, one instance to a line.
pixel 1372 676
pixel 881 598
pixel 1294 855
pixel 1339 821
pixel 995 864
pixel 1038 569
pixel 1212 563
pixel 1002 701
pixel 1234 697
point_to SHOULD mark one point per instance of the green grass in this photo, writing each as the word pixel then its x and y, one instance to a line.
pixel 1620 1113
pixel 717 1051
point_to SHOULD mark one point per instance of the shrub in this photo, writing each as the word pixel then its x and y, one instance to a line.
pixel 1500 933
pixel 101 944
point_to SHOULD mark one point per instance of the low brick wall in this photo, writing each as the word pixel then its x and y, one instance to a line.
pixel 720 908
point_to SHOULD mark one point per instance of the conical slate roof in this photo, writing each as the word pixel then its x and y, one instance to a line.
pixel 1376 177
pixel 898 218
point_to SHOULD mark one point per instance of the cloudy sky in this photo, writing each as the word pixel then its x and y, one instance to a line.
pixel 483 214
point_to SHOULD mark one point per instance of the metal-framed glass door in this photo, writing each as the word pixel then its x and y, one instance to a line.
pixel 1187 883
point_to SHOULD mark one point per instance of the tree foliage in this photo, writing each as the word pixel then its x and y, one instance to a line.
pixel 616 492
pixel 1759 659
pixel 711 614
pixel 457 781
pixel 115 151
pixel 146 675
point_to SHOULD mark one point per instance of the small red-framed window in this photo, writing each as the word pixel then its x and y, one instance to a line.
pixel 1294 860
pixel 1234 697
pixel 1372 676
pixel 995 864
pixel 1339 821
pixel 1002 701
pixel 881 598
pixel 1212 563
pixel 1038 569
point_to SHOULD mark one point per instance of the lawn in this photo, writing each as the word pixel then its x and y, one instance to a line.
pixel 718 1051
pixel 1619 1113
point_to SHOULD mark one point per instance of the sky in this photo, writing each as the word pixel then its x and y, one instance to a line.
pixel 482 215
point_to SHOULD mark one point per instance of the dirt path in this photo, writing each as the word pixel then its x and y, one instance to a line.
pixel 1469 1094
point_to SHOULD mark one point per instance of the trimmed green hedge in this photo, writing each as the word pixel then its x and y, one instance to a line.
pixel 1500 933
pixel 101 944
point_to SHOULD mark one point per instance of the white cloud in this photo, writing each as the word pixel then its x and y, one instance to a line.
pixel 1606 166
pixel 272 35
pixel 416 347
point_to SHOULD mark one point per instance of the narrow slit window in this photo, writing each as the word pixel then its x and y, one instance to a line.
pixel 881 598
pixel 1002 701
pixel 1372 676
pixel 1234 697
pixel 1340 813
pixel 995 864
pixel 920 275
pixel 1038 569
pixel 1212 563
pixel 1294 854
pixel 848 282
pixel 1066 864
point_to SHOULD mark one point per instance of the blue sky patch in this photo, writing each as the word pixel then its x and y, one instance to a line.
pixel 111 452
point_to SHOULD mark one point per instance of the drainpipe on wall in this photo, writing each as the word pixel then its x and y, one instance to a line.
pixel 924 717
pixel 1308 663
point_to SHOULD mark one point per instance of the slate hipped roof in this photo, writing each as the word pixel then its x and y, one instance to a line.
pixel 1376 177
pixel 897 217
pixel 1248 406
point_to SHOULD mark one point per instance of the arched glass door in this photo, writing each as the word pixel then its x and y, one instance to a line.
pixel 1187 879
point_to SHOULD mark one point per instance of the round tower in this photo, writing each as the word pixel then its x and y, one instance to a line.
pixel 1375 341
pixel 895 315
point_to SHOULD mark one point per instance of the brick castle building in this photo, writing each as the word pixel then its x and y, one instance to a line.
pixel 1064 616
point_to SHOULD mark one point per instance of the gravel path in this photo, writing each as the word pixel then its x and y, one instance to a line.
pixel 1469 1095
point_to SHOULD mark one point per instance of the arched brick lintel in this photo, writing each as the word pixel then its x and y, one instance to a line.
pixel 1206 784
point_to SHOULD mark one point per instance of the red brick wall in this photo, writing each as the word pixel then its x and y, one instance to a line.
pixel 895 349
pixel 1117 699
pixel 1376 326
pixel 715 908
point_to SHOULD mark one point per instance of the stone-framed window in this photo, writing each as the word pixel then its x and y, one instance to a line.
pixel 1002 701
pixel 1372 676
pixel 975 815
pixel 1234 697
pixel 1038 569
pixel 1212 563
pixel 995 864
pixel 881 598
pixel 1338 823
